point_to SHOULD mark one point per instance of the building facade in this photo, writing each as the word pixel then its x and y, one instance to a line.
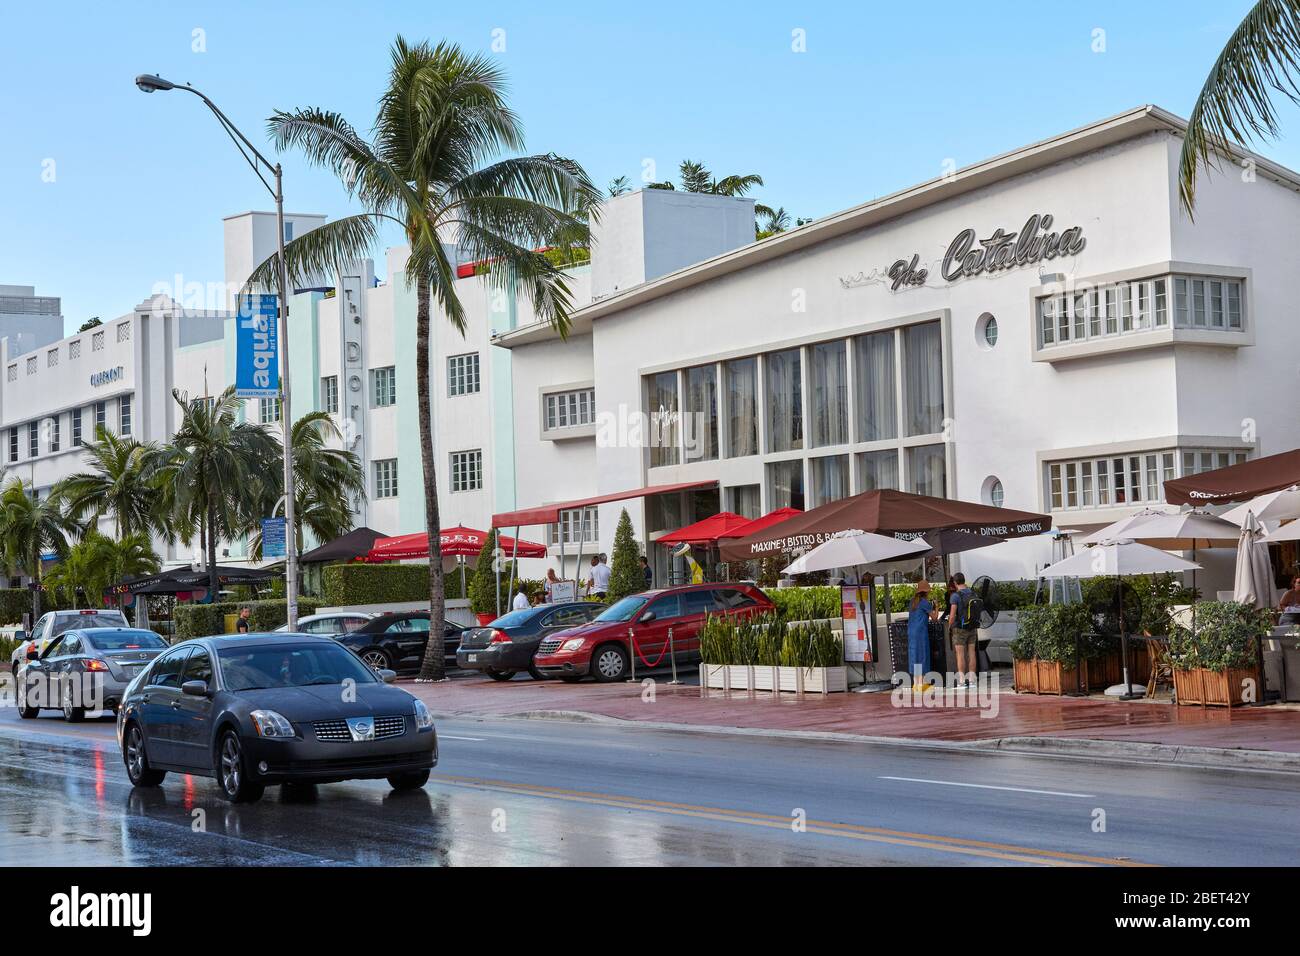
pixel 1046 330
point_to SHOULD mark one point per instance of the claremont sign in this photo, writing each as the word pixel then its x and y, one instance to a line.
pixel 969 255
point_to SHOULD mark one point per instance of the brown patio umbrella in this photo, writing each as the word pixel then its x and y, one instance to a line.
pixel 1236 482
pixel 946 525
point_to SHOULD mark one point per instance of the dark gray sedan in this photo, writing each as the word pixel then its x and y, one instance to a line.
pixel 256 710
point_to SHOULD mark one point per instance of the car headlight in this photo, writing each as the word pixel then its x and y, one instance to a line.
pixel 268 723
pixel 572 644
pixel 423 719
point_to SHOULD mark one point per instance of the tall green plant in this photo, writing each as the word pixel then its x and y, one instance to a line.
pixel 118 483
pixel 1226 636
pixel 433 166
pixel 29 527
pixel 625 575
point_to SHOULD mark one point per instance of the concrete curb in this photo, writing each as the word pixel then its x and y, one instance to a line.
pixel 1077 748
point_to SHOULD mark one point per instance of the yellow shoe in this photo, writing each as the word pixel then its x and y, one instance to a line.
pixel 921 688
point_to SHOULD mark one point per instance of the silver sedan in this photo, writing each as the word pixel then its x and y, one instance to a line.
pixel 83 670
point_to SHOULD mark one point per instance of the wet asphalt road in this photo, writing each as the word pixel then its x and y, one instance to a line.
pixel 538 792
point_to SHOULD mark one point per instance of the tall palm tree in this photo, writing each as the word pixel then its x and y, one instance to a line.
pixel 97 562
pixel 431 166
pixel 697 178
pixel 1262 57
pixel 30 527
pixel 119 482
pixel 327 481
pixel 217 471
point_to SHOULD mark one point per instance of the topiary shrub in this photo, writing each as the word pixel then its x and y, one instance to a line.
pixel 1053 633
pixel 347 584
pixel 626 576
pixel 1225 637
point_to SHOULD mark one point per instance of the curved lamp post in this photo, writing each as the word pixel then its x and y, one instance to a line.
pixel 149 83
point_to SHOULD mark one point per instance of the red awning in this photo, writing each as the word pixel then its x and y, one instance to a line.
pixel 550 514
pixel 758 524
pixel 1240 482
pixel 706 531
pixel 456 542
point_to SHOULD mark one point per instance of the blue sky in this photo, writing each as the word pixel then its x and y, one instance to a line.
pixel 883 95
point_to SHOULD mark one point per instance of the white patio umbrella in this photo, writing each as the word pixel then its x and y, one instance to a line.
pixel 1253 583
pixel 1269 508
pixel 1116 559
pixel 1288 532
pixel 855 549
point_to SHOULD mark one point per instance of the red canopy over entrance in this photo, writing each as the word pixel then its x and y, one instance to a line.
pixel 550 514
pixel 946 525
pixel 456 542
pixel 707 531
pixel 758 524
pixel 1236 482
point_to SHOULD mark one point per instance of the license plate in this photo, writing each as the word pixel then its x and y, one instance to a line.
pixel 472 658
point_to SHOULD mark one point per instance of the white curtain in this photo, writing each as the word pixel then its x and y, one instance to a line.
pixel 830 394
pixel 926 468
pixel 784 400
pixel 742 407
pixel 663 429
pixel 701 431
pixel 830 478
pixel 787 484
pixel 923 378
pixel 878 470
pixel 874 371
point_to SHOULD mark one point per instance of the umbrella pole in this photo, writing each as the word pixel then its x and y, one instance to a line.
pixel 514 557
pixel 1123 638
pixel 463 592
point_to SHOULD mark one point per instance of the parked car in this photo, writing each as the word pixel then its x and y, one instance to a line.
pixel 396 641
pixel 56 678
pixel 601 647
pixel 336 622
pixel 256 710
pixel 506 646
pixel 52 624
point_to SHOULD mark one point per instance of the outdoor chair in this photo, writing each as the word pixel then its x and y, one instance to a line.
pixel 1162 671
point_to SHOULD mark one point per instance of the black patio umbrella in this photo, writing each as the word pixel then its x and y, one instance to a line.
pixel 355 544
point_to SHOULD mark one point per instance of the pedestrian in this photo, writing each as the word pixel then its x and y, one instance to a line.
pixel 649 574
pixel 521 602
pixel 919 616
pixel 551 582
pixel 598 578
pixel 241 623
pixel 964 628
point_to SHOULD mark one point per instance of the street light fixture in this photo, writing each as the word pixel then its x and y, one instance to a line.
pixel 150 83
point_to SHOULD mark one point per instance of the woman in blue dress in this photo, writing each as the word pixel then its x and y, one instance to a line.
pixel 918 635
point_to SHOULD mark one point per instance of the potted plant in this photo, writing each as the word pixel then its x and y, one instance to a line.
pixel 766 653
pixel 1216 665
pixel 1048 654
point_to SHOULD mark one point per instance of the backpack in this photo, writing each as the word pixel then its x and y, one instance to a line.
pixel 969 609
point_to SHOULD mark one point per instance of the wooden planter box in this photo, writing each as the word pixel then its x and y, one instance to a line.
pixel 1213 688
pixel 1107 671
pixel 809 680
pixel 1048 677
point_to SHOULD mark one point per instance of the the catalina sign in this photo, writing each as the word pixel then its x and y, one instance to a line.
pixel 257 348
pixel 969 256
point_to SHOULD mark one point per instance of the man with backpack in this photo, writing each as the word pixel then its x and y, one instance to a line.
pixel 963 621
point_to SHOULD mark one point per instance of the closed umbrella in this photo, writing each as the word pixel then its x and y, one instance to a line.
pixel 1253 583
pixel 1116 559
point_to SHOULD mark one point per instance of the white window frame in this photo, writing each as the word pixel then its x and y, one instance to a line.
pixel 385 477
pixel 1126 479
pixel 466 470
pixel 569 408
pixel 383 386
pixel 463 374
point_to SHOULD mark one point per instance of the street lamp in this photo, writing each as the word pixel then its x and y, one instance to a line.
pixel 150 83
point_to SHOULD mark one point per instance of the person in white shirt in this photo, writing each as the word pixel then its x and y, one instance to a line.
pixel 598 579
pixel 521 602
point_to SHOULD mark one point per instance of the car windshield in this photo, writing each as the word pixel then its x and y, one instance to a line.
pixel 295 665
pixel 623 610
pixel 515 618
pixel 92 619
pixel 126 641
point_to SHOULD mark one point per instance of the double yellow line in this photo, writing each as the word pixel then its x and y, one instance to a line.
pixel 851 831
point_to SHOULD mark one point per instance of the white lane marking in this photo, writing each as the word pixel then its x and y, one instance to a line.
pixel 454 737
pixel 985 786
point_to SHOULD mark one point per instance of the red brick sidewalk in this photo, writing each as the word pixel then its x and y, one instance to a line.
pixel 1252 728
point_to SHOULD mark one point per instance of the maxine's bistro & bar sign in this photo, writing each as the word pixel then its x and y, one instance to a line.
pixel 969 256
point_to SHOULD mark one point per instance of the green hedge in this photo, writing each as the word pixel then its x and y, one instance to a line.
pixel 14 603
pixel 347 584
pixel 202 620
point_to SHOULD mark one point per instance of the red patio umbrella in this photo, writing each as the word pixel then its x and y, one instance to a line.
pixel 707 531
pixel 758 524
pixel 456 542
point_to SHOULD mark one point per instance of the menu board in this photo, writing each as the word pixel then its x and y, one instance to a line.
pixel 857 633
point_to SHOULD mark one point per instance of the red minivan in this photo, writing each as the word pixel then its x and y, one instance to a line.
pixel 601 648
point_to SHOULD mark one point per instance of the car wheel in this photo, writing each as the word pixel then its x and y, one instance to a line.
pixel 137 762
pixel 376 658
pixel 71 714
pixel 534 673
pixel 408 781
pixel 609 663
pixel 500 675
pixel 232 774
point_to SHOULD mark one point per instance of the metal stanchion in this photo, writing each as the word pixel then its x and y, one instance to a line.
pixel 631 654
pixel 672 656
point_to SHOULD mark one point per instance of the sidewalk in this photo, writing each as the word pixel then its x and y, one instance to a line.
pixel 1272 728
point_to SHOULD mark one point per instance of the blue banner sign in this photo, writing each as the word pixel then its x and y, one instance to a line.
pixel 257 348
pixel 272 537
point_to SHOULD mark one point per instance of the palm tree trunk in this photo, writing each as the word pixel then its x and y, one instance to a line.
pixel 433 667
pixel 36 585
pixel 212 555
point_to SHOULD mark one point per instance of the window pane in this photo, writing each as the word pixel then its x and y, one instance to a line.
pixel 878 470
pixel 830 478
pixel 926 470
pixel 784 387
pixel 873 372
pixel 830 394
pixel 663 415
pixel 785 479
pixel 923 378
pixel 741 377
pixel 700 429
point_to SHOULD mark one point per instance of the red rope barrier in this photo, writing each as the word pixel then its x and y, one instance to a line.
pixel 662 653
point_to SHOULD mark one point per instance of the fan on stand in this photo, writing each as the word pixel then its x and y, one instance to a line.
pixel 985 590
pixel 1116 612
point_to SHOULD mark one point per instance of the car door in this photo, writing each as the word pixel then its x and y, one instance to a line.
pixel 652 635
pixel 41 679
pixel 66 649
pixel 193 724
pixel 406 640
pixel 160 704
pixel 696 606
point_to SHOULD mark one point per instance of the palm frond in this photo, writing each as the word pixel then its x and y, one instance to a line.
pixel 325 250
pixel 1261 57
